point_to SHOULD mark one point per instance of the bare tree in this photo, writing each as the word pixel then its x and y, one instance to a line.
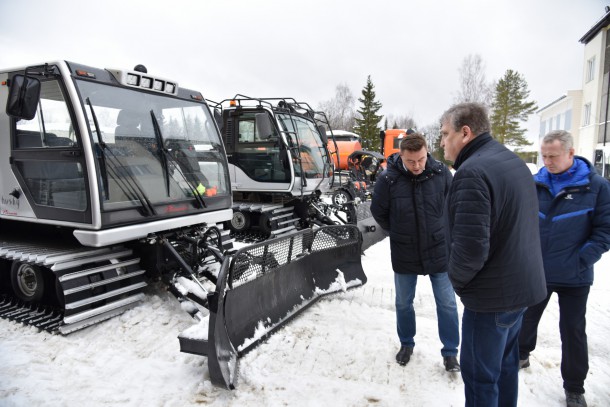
pixel 431 132
pixel 473 84
pixel 340 110
pixel 400 121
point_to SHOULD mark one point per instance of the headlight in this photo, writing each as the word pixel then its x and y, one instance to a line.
pixel 146 82
pixel 158 85
pixel 133 79
pixel 139 79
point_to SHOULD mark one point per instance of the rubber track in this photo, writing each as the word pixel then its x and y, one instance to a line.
pixel 43 317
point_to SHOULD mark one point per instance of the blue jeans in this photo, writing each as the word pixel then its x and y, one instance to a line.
pixel 446 311
pixel 490 357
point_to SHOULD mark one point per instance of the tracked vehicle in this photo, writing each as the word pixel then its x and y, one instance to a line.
pixel 279 164
pixel 112 178
pixel 282 170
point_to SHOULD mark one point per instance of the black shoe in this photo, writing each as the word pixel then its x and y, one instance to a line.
pixel 575 399
pixel 404 355
pixel 451 364
pixel 523 363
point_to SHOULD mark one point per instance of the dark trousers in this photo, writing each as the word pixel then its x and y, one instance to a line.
pixel 572 324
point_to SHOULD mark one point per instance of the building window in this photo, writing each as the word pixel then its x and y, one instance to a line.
pixel 587 115
pixel 542 128
pixel 590 74
pixel 568 120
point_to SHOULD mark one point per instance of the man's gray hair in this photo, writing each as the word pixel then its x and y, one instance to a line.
pixel 473 115
pixel 564 137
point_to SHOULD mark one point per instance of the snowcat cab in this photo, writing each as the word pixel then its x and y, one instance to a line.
pixel 279 164
pixel 93 166
pixel 111 178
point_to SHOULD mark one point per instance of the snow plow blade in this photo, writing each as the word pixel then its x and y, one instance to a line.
pixel 261 287
pixel 371 231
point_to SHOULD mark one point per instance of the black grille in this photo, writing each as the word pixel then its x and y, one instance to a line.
pixel 255 261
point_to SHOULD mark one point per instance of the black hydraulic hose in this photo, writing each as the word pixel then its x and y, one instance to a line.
pixel 217 252
pixel 183 264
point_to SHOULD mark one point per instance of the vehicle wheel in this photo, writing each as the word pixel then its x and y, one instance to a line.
pixel 27 281
pixel 264 223
pixel 240 221
pixel 341 197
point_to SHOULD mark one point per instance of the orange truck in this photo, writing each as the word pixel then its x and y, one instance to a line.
pixel 347 143
pixel 390 140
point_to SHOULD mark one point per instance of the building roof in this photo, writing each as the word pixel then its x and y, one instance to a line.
pixel 603 22
pixel 551 104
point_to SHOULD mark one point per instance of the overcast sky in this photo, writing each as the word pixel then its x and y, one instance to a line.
pixel 304 49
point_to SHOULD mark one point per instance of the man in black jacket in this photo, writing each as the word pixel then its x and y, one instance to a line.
pixel 495 262
pixel 408 203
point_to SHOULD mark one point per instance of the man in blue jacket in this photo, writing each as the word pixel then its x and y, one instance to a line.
pixel 574 233
pixel 408 203
pixel 495 263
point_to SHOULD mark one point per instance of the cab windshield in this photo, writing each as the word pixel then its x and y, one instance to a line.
pixel 312 151
pixel 129 160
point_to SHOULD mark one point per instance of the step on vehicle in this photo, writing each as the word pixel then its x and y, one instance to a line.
pixel 112 178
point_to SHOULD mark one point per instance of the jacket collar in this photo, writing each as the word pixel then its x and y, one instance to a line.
pixel 578 174
pixel 470 148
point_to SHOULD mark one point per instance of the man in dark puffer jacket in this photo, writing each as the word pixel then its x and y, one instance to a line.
pixel 495 263
pixel 408 203
pixel 574 233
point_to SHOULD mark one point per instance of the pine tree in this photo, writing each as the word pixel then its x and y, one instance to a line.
pixel 509 108
pixel 438 152
pixel 367 125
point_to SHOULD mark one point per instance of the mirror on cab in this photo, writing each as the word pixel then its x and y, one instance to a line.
pixel 322 131
pixel 264 127
pixel 23 97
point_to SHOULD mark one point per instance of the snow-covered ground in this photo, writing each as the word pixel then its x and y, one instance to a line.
pixel 339 352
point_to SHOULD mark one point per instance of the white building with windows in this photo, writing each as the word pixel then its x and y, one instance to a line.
pixel 563 114
pixel 585 113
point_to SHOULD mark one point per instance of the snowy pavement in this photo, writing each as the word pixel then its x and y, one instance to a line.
pixel 339 352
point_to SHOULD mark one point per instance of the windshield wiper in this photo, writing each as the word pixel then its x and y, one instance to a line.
pixel 121 173
pixel 166 156
pixel 102 146
pixel 161 149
